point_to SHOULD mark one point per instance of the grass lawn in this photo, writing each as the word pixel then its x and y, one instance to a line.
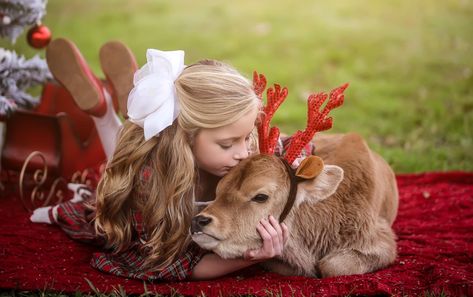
pixel 409 63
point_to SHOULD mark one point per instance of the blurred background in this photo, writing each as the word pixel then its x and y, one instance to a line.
pixel 409 62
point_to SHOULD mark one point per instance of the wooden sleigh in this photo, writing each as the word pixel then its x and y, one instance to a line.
pixel 49 146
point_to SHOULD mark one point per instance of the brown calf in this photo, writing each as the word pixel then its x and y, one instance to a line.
pixel 339 224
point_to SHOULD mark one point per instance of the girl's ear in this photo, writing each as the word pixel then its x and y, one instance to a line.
pixel 322 186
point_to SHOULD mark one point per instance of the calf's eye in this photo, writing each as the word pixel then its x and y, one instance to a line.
pixel 260 198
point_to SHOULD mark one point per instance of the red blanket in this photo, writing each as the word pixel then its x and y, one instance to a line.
pixel 435 245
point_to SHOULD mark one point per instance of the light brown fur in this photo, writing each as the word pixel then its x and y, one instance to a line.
pixel 340 223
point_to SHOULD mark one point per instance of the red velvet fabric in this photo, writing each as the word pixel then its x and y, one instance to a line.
pixel 435 245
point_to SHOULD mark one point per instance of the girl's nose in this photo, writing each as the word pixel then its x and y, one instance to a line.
pixel 242 153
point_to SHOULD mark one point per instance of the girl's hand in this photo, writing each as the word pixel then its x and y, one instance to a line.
pixel 274 237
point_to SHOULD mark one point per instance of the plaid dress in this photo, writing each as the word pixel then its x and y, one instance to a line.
pixel 76 219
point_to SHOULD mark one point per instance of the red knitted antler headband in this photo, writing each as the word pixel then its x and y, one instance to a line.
pixel 317 120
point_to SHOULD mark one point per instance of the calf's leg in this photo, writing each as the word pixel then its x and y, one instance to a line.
pixel 378 252
pixel 346 262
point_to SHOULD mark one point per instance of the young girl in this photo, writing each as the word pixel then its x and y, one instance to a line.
pixel 186 128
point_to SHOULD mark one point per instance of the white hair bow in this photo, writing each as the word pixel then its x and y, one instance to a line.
pixel 152 104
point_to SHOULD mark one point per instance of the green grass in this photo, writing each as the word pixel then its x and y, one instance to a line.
pixel 409 63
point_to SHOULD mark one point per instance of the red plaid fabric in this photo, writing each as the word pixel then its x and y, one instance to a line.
pixel 76 220
pixel 130 264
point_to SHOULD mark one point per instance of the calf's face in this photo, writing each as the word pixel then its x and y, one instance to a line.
pixel 253 190
pixel 256 188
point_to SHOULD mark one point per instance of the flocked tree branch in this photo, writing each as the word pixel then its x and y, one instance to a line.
pixel 17 75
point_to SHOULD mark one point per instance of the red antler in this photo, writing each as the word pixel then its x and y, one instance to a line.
pixel 316 120
pixel 268 137
pixel 259 84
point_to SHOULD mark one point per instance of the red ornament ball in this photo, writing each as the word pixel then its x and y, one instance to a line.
pixel 39 36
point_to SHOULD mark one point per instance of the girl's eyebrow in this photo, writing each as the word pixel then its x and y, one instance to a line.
pixel 230 138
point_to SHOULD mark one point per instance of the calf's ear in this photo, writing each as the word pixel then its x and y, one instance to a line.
pixel 310 167
pixel 320 181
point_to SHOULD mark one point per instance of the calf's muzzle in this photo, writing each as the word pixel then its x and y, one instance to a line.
pixel 198 222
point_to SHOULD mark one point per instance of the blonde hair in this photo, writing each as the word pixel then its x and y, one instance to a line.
pixel 211 95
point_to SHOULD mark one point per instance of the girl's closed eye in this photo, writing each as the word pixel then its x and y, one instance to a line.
pixel 228 145
pixel 225 146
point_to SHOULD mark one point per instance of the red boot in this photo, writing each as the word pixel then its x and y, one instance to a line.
pixel 71 70
pixel 119 65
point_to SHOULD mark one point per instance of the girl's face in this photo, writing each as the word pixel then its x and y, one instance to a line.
pixel 217 150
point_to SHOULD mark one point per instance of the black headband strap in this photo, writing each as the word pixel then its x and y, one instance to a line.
pixel 292 190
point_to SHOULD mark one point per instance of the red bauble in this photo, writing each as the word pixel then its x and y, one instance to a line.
pixel 39 36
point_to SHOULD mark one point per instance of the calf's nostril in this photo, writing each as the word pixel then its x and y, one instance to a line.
pixel 203 221
pixel 198 222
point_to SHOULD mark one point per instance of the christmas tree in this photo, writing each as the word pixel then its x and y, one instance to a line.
pixel 18 74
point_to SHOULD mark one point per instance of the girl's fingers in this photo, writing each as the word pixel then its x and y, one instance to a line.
pixel 269 228
pixel 249 255
pixel 285 233
pixel 278 229
pixel 276 245
pixel 267 238
pixel 274 236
